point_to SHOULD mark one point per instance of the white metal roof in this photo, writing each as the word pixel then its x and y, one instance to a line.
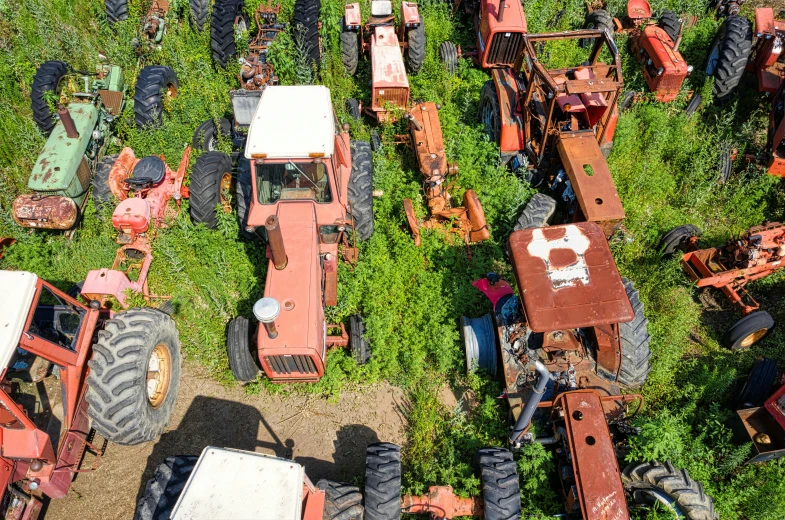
pixel 18 292
pixel 232 484
pixel 292 122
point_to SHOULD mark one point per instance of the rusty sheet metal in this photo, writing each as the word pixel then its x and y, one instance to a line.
pixel 756 425
pixel 45 212
pixel 596 471
pixel 387 69
pixel 441 502
pixel 590 177
pixel 112 101
pixel 427 139
pixel 567 277
pixel 6 242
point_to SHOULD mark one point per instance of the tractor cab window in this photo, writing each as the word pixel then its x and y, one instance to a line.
pixel 293 181
pixel 55 320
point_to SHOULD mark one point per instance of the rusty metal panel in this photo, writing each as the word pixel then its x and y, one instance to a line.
pixel 427 139
pixel 504 49
pixel 390 83
pixel 84 174
pixel 590 177
pixel 567 277
pixel 47 212
pixel 756 425
pixel 596 471
pixel 112 100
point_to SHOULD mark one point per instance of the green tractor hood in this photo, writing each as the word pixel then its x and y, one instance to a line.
pixel 56 167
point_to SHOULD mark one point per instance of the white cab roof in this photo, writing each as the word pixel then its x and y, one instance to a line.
pixel 292 123
pixel 231 484
pixel 18 292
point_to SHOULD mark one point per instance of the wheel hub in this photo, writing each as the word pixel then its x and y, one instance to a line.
pixel 159 374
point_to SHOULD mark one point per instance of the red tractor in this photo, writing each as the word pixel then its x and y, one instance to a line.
pixel 308 195
pixel 69 372
pixel 385 45
pixel 761 411
pixel 144 188
pixel 729 268
pixel 556 125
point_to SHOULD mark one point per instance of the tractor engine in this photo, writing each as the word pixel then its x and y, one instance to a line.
pixel 255 72
pixel 664 68
pixel 762 245
pixel 728 7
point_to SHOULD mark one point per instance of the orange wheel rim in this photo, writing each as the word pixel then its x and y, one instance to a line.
pixel 159 375
pixel 226 186
pixel 753 338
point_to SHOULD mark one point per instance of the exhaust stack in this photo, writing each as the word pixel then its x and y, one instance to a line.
pixel 502 5
pixel 275 240
pixel 68 122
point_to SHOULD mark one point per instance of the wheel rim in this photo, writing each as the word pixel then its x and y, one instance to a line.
pixel 240 26
pixel 651 497
pixel 490 120
pixel 226 186
pixel 753 338
pixel 212 143
pixel 714 57
pixel 159 375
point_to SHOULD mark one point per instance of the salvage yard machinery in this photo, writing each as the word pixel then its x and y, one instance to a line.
pixel 155 20
pixel 79 132
pixel 730 267
pixel 572 336
pixel 70 372
pixel 144 188
pixel 760 414
pixel 426 139
pixel 306 189
pixel 379 39
pixel 556 125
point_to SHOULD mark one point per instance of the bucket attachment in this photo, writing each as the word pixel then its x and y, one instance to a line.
pixel 480 343
pixel 45 211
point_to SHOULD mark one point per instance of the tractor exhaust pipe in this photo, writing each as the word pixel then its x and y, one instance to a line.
pixel 275 240
pixel 414 122
pixel 500 16
pixel 531 405
pixel 68 122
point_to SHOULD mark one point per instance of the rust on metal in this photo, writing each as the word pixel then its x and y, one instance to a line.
pixel 341 340
pixel 43 211
pixel 68 122
pixel 6 242
pixel 275 239
pixel 256 72
pixel 441 502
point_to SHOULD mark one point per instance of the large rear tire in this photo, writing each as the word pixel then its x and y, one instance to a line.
pixel 155 84
pixel 675 239
pixel 653 483
pixel 239 342
pixel 501 493
pixel 448 53
pixel 350 49
pixel 102 194
pixel 728 56
pixel 207 134
pixel 361 190
pixel 211 180
pixel 749 330
pixel 670 23
pixel 163 490
pixel 415 52
pixel 598 19
pixel 383 482
pixel 199 10
pixel 116 10
pixel 48 78
pixel 758 386
pixel 134 376
pixel 305 21
pixel 490 116
pixel 341 501
pixel 635 352
pixel 222 29
pixel 537 213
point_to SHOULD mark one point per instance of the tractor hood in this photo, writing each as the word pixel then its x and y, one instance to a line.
pixel 58 162
pixel 300 342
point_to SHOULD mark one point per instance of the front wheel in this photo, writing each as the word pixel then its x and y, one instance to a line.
pixel 358 345
pixel 163 490
pixel 211 182
pixel 155 85
pixel 749 330
pixel 341 501
pixel 206 135
pixel 383 482
pixel 537 213
pixel 490 116
pixel 677 238
pixel 102 193
pixel 501 495
pixel 448 52
pixel 655 484
pixel 415 52
pixel 635 353
pixel 239 341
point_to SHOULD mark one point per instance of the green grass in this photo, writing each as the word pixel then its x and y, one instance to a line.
pixel 664 164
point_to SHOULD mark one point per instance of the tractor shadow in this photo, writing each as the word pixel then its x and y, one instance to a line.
pixel 348 457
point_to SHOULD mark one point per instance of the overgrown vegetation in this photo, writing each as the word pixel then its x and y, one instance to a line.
pixel 664 164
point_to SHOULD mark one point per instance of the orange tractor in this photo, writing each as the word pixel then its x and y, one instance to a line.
pixel 760 411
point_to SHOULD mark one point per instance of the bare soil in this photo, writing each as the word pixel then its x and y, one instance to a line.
pixel 328 438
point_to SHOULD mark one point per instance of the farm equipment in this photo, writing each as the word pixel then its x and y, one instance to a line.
pixel 761 413
pixel 79 132
pixel 426 139
pixel 385 45
pixel 557 125
pixel 654 41
pixel 729 268
pixel 144 188
pixel 69 372
pixel 305 193
pixel 155 21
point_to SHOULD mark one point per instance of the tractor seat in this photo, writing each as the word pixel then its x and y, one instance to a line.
pixel 148 171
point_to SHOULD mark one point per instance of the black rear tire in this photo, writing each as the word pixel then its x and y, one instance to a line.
pixel 537 213
pixel 47 78
pixel 239 341
pixel 383 482
pixel 359 346
pixel 305 22
pixel 154 84
pixel 353 108
pixel 207 134
pixel 350 49
pixel 635 338
pixel 649 483
pixel 415 52
pixel 670 23
pixel 116 10
pixel 501 493
pixel 243 193
pixel 675 239
pixel 448 52
pixel 199 10
pixel 758 386
pixel 749 330
pixel 728 56
pixel 102 194
pixel 222 29
pixel 207 179
pixel 117 386
pixel 361 190
pixel 598 19
pixel 341 501
pixel 693 105
pixel 163 490
pixel 490 116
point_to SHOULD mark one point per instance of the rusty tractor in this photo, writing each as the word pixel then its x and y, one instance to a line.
pixel 729 268
pixel 654 41
pixel 760 411
pixel 499 26
pixel 70 373
pixel 468 220
pixel 556 126
pixel 144 188
pixel 572 337
pixel 154 21
pixel 384 44
pixel 308 195
pixel 78 133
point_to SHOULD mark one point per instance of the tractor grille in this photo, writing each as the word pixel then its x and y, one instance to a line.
pixel 83 173
pixel 112 100
pixel 291 364
pixel 505 48
pixel 396 96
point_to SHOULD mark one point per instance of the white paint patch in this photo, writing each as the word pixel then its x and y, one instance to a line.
pixel 569 275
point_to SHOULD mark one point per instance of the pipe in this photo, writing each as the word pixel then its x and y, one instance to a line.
pixel 553 439
pixel 68 122
pixel 415 123
pixel 500 16
pixel 275 240
pixel 531 405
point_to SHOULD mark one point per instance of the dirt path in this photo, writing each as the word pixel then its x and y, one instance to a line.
pixel 329 439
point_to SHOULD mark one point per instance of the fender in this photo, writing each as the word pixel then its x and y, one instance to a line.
pixel 512 137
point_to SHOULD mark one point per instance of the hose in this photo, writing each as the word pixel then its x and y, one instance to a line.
pixel 531 404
